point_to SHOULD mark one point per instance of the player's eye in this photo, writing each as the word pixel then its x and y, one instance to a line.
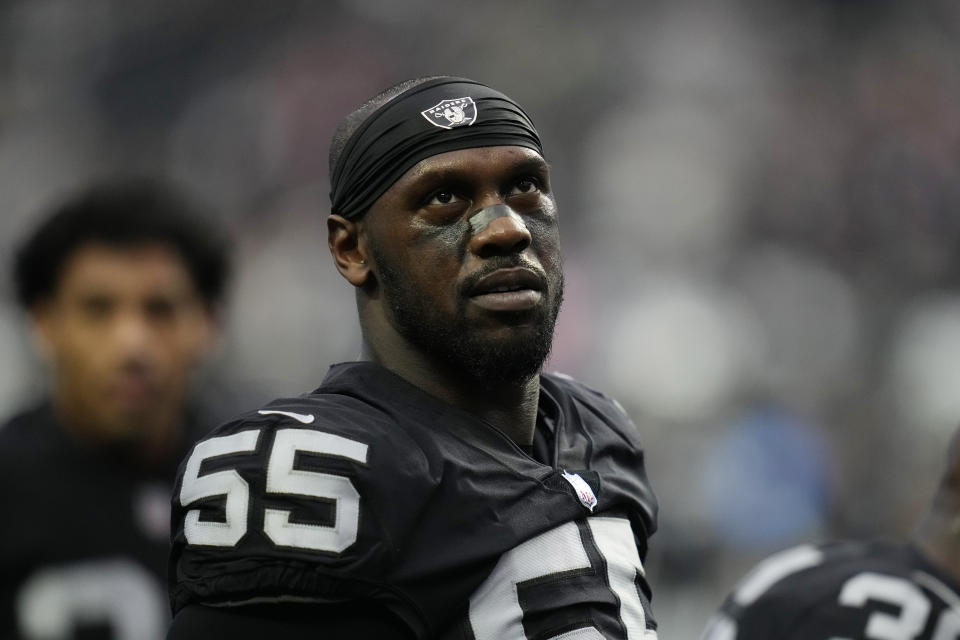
pixel 525 185
pixel 159 308
pixel 442 197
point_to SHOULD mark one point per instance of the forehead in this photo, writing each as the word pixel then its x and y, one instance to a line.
pixel 478 162
pixel 143 268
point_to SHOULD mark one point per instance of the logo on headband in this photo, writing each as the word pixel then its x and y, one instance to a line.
pixel 457 112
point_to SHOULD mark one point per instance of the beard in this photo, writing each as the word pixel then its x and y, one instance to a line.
pixel 456 344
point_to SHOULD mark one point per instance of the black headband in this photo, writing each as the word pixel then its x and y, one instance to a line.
pixel 440 115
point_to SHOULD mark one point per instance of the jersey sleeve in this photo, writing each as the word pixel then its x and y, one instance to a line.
pixel 296 503
pixel 766 604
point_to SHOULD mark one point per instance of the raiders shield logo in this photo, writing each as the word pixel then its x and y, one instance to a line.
pixel 457 112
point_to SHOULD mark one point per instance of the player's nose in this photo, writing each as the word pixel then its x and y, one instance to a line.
pixel 131 334
pixel 502 235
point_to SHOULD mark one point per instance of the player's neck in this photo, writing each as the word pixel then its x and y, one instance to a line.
pixel 510 406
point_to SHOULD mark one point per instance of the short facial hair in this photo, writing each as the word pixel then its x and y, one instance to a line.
pixel 451 342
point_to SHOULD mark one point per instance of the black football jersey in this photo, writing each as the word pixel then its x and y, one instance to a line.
pixel 84 538
pixel 842 591
pixel 370 490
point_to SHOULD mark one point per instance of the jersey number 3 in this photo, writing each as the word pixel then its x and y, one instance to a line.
pixel 914 608
pixel 282 478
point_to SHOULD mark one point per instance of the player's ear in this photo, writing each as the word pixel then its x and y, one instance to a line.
pixel 343 238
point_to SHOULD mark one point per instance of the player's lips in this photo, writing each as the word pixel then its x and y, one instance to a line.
pixel 513 289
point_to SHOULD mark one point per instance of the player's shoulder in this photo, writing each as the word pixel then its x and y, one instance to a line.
pixel 565 388
pixel 819 568
pixel 299 496
pixel 332 425
pixel 28 435
pixel 330 412
pixel 786 587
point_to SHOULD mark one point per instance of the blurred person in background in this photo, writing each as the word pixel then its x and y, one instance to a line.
pixel 442 487
pixel 122 284
pixel 865 590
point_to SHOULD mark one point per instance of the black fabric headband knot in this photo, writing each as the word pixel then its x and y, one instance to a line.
pixel 440 115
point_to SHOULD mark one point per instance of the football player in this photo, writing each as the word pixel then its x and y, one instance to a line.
pixel 442 487
pixel 852 590
pixel 121 283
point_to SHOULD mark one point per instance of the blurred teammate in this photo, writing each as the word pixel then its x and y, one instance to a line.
pixel 121 283
pixel 443 487
pixel 858 590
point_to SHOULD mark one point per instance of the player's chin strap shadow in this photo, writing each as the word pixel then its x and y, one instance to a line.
pixel 480 220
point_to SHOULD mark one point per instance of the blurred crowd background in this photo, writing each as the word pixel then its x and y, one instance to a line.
pixel 759 199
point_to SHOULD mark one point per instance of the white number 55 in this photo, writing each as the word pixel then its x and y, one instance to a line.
pixel 282 479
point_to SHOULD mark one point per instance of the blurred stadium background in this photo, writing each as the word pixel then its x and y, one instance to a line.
pixel 760 209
